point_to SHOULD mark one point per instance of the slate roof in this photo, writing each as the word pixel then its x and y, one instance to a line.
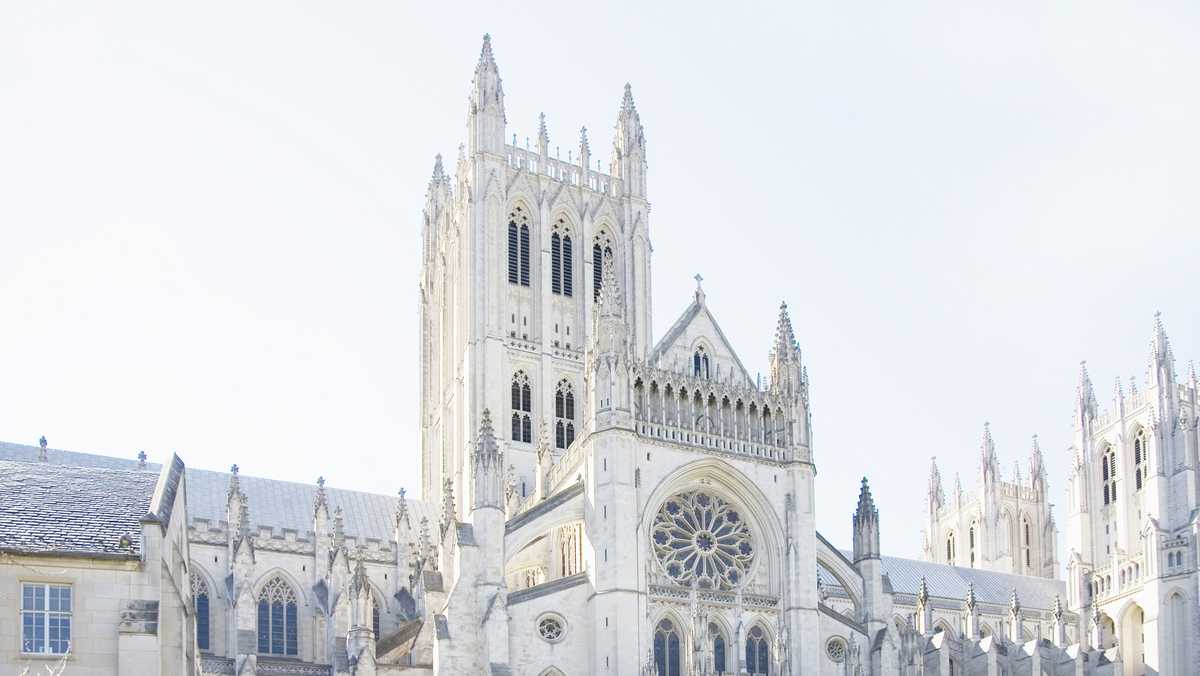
pixel 273 504
pixel 950 582
pixel 60 509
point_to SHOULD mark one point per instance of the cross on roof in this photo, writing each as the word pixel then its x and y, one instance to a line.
pixel 233 469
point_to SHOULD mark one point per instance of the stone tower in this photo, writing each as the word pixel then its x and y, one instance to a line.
pixel 515 240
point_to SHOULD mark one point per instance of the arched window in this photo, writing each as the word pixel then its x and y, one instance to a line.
pixel 562 260
pixel 718 646
pixel 700 363
pixel 950 549
pixel 522 408
pixel 277 618
pixel 1026 540
pixel 758 653
pixel 200 597
pixel 570 546
pixel 375 620
pixel 1108 474
pixel 1140 451
pixel 564 415
pixel 971 545
pixel 667 657
pixel 518 247
pixel 601 247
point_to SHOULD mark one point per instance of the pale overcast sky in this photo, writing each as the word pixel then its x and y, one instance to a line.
pixel 209 215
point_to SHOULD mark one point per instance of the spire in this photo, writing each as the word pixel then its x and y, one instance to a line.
pixel 866 525
pixel 585 150
pixel 1162 360
pixel 487 477
pixel 937 497
pixel 1085 396
pixel 787 373
pixel 629 147
pixel 543 137
pixel 785 337
pixel 486 58
pixel 486 104
pixel 1037 463
pixel 987 452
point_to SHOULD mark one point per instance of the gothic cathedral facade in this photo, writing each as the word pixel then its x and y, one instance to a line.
pixel 615 504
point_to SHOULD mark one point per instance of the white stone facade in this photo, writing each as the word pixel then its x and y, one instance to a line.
pixel 1005 525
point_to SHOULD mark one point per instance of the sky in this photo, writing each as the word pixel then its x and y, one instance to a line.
pixel 210 215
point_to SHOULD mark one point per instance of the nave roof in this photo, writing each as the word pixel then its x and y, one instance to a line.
pixel 273 503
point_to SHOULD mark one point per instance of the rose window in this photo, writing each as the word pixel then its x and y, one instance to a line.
pixel 701 538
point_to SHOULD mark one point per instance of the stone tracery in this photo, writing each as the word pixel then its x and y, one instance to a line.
pixel 701 539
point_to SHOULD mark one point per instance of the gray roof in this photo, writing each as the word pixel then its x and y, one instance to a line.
pixel 274 504
pixel 61 509
pixel 950 582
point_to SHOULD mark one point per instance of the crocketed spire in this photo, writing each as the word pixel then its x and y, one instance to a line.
pixel 785 337
pixel 866 525
pixel 987 452
pixel 543 137
pixel 937 497
pixel 1085 395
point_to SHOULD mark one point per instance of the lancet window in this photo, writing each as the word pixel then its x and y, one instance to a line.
pixel 522 408
pixel 518 247
pixel 564 415
pixel 277 619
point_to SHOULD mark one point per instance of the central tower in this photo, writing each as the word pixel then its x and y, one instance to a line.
pixel 515 241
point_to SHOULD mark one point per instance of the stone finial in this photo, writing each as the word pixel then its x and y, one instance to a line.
pixel 699 288
pixel 43 456
pixel 1057 612
pixel 923 592
pixel 339 527
pixel 970 602
pixel 321 501
pixel 487 451
pixel 543 137
pixel 402 510
pixel 235 485
pixel 141 456
pixel 1014 603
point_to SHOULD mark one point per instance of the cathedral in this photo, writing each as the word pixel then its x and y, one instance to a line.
pixel 599 499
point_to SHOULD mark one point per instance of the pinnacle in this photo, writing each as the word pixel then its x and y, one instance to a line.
pixel 439 173
pixel 785 336
pixel 485 53
pixel 543 135
pixel 583 139
pixel 627 101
